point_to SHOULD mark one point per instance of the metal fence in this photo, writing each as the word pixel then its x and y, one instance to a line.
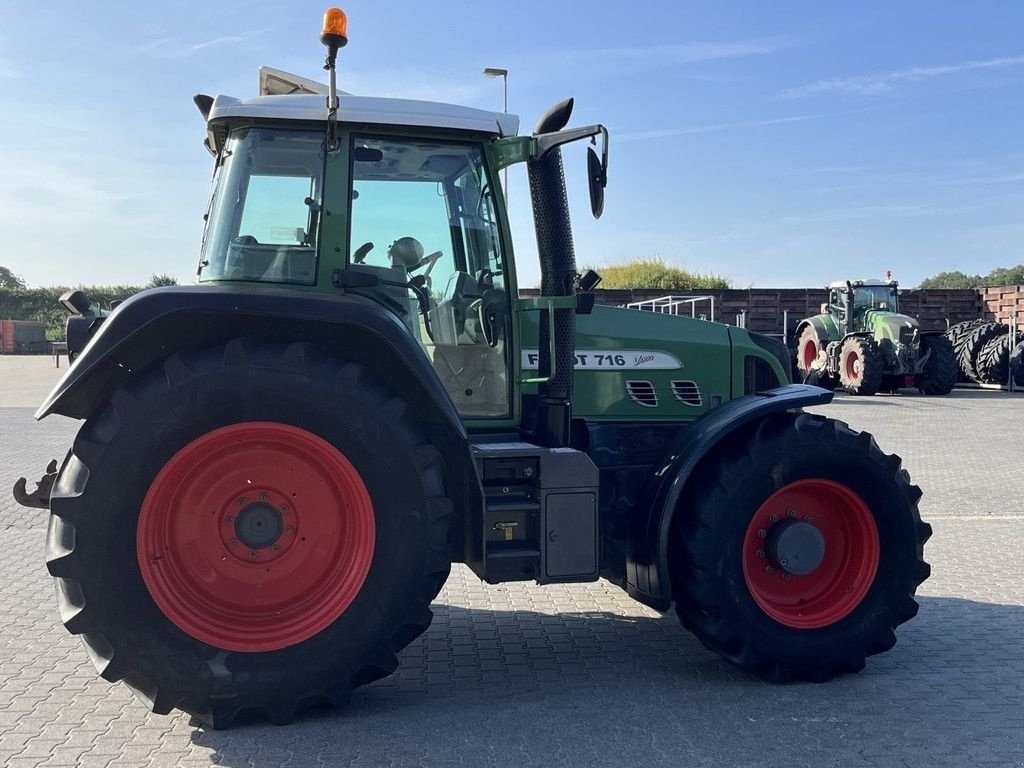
pixel 677 305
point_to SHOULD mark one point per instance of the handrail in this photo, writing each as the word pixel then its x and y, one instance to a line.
pixel 550 304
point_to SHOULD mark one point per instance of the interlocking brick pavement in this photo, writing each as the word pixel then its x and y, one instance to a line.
pixel 572 675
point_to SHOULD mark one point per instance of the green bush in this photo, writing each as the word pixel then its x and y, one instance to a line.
pixel 655 273
pixel 18 302
pixel 41 303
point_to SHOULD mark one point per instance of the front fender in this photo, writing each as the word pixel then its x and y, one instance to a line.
pixel 647 574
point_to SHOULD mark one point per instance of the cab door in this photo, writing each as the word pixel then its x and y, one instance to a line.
pixel 423 216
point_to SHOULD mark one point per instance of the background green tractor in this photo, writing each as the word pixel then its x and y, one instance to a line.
pixel 861 342
pixel 278 466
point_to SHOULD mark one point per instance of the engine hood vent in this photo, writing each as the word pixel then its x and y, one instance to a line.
pixel 687 393
pixel 642 392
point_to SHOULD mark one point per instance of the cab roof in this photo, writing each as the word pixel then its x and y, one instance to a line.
pixel 366 109
pixel 855 283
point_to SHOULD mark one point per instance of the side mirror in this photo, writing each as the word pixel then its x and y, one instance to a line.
pixel 597 174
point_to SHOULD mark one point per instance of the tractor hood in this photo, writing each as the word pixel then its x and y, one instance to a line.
pixel 891 325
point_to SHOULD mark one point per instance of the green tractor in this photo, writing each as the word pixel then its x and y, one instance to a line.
pixel 861 342
pixel 278 466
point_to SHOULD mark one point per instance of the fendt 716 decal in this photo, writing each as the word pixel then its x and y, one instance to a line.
pixel 612 360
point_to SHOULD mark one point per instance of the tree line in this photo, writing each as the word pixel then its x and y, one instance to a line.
pixel 19 302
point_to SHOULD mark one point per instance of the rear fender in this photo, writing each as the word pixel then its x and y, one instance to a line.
pixel 155 324
pixel 824 326
pixel 647 567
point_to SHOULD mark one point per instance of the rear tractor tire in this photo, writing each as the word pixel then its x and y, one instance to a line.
pixel 811 360
pixel 797 550
pixel 941 370
pixel 861 366
pixel 252 528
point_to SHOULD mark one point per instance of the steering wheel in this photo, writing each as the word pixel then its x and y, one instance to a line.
pixel 360 253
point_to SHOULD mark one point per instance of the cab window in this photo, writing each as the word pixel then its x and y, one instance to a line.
pixel 265 213
pixel 423 219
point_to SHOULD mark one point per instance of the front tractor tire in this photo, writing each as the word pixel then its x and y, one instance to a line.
pixel 941 370
pixel 861 366
pixel 798 551
pixel 252 528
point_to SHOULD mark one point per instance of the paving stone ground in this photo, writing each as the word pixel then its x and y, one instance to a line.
pixel 580 675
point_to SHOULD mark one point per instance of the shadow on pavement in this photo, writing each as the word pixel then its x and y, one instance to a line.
pixel 524 688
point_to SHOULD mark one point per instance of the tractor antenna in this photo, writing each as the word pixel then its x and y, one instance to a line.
pixel 334 36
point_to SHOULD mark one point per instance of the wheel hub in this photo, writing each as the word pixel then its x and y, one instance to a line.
pixel 258 525
pixel 811 553
pixel 795 546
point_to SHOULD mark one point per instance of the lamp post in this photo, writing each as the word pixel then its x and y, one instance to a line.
pixel 491 73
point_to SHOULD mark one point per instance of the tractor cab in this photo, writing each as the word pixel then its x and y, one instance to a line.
pixel 850 301
pixel 406 218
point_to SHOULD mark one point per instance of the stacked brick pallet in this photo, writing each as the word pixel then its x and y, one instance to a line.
pixel 1001 303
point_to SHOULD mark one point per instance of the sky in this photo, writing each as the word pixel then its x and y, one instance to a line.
pixel 778 144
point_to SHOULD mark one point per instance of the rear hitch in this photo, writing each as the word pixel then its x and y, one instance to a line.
pixel 40 497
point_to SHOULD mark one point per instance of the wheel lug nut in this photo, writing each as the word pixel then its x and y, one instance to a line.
pixel 228 520
pixel 786 577
pixel 791 513
pixel 233 542
pixel 289 530
pixel 284 507
pixel 769 569
pixel 252 553
pixel 762 534
pixel 774 518
pixel 276 548
pixel 783 562
pixel 807 518
pixel 760 553
pixel 242 500
pixel 264 496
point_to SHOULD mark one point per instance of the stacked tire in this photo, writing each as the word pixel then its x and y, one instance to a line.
pixel 1017 365
pixel 987 352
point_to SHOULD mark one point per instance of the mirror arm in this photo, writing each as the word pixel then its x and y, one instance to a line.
pixel 545 142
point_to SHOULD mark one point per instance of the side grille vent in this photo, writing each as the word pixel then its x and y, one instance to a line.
pixel 687 392
pixel 758 375
pixel 643 393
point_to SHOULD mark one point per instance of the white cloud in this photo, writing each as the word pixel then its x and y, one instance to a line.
pixel 175 47
pixel 685 53
pixel 886 81
pixel 874 212
pixel 692 129
pixel 1007 178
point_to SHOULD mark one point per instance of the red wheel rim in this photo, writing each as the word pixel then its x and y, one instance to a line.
pixel 846 572
pixel 852 371
pixel 206 536
pixel 810 354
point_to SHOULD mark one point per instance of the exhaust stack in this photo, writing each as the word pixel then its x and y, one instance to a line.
pixel 557 255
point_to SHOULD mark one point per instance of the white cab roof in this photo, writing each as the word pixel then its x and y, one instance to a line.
pixel 842 283
pixel 367 109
